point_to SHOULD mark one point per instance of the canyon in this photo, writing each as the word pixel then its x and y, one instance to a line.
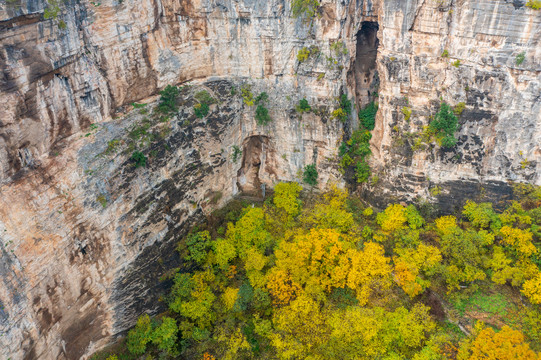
pixel 85 236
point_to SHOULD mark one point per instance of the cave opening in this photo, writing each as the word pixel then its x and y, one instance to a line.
pixel 366 75
pixel 253 152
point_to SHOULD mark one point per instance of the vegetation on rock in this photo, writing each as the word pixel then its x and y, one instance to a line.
pixel 310 175
pixel 330 280
pixel 168 99
pixel 305 9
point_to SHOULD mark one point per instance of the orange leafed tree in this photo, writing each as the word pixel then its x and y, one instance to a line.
pixel 507 344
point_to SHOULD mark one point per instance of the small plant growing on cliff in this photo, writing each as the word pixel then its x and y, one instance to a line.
pixel 168 99
pixel 237 152
pixel 344 110
pixel 205 100
pixel 339 48
pixel 262 98
pixel 435 191
pixel 310 175
pixel 303 54
pixel 407 113
pixel 102 200
pixel 456 64
pixel 345 103
pixel 52 10
pixel 112 146
pixel 340 114
pixel 305 9
pixel 520 58
pixel 262 115
pixel 534 4
pixel 445 54
pixel 201 110
pixel 444 126
pixel 247 96
pixel 303 106
pixel 367 116
pixel 459 108
pixel 139 159
pixel 204 97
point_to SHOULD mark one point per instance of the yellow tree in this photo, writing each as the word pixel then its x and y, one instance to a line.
pixel 330 213
pixel 369 270
pixel 532 289
pixel 393 218
pixel 286 197
pixel 300 329
pixel 281 286
pixel 520 240
pixel 507 344
pixel 414 266
pixel 316 261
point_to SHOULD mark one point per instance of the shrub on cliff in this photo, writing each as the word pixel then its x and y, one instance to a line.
pixel 367 116
pixel 310 175
pixel 534 4
pixel 262 115
pixel 139 159
pixel 304 8
pixel 303 106
pixel 201 110
pixel 168 99
pixel 444 126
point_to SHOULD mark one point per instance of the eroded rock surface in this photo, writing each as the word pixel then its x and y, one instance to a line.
pixel 85 236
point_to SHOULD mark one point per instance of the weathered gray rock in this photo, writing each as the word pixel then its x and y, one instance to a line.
pixel 75 273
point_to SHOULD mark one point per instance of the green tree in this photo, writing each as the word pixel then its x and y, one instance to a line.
pixel 198 244
pixel 201 110
pixel 165 336
pixel 139 159
pixel 262 115
pixel 303 106
pixel 139 336
pixel 367 116
pixel 310 175
pixel 444 125
pixel 168 99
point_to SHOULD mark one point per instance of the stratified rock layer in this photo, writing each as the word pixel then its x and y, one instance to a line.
pixel 85 236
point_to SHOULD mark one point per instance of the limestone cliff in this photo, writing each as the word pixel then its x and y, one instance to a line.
pixel 85 235
pixel 500 128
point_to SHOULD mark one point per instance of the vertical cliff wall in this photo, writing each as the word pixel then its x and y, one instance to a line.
pixel 500 127
pixel 85 235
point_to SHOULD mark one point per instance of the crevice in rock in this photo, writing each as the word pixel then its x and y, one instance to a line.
pixel 253 156
pixel 366 75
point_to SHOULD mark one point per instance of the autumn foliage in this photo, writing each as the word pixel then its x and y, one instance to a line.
pixel 333 280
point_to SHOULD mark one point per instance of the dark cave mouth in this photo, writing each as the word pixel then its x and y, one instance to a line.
pixel 366 75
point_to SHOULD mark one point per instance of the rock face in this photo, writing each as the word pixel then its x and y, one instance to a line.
pixel 500 128
pixel 85 235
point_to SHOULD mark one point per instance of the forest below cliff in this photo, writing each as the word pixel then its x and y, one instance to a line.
pixel 321 276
